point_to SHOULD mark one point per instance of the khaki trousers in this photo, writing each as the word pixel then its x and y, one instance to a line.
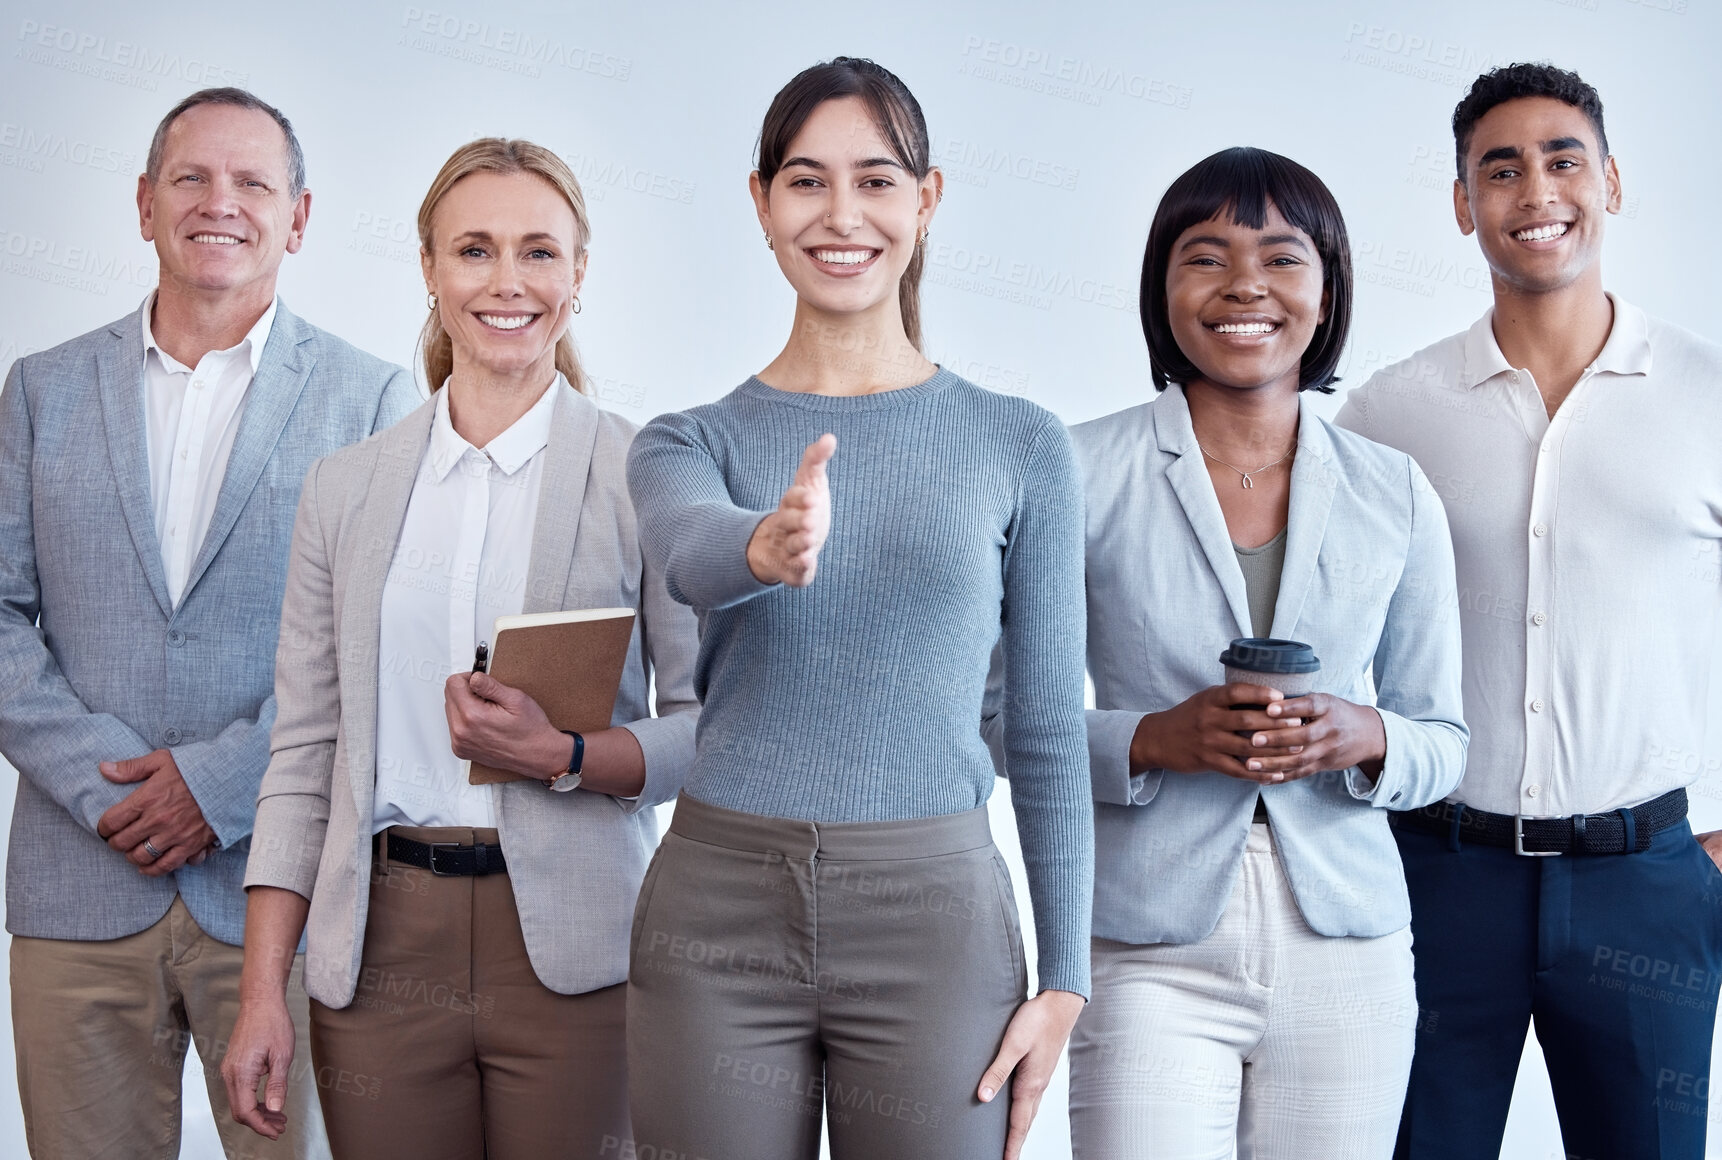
pixel 451 1047
pixel 784 970
pixel 101 1030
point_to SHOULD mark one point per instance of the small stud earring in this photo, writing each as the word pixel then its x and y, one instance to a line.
pixel 768 244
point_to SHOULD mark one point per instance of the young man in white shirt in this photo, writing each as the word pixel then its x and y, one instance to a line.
pixel 149 473
pixel 1574 440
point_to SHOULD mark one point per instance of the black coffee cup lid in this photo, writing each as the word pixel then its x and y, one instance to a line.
pixel 1263 654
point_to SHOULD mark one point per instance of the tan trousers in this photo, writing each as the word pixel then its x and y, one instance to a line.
pixel 101 1030
pixel 451 1047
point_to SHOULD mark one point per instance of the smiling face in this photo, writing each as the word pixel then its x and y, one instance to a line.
pixel 1536 194
pixel 843 214
pixel 219 211
pixel 1244 303
pixel 505 263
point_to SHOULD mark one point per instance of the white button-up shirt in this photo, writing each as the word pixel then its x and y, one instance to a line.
pixel 461 562
pixel 1590 579
pixel 191 415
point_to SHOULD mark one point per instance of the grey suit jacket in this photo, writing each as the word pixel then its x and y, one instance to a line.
pixel 575 859
pixel 96 664
pixel 1368 580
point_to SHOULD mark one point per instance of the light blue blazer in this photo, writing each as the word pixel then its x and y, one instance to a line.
pixel 1368 581
pixel 97 664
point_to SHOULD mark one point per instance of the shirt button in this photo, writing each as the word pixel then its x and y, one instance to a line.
pixel 197 384
pixel 1540 530
pixel 1515 378
pixel 182 453
pixel 1537 618
pixel 1533 791
pixel 1537 705
pixel 1544 449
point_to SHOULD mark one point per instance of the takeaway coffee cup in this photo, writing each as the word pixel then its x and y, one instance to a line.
pixel 1287 665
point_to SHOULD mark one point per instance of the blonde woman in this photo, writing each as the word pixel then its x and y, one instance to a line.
pixel 466 944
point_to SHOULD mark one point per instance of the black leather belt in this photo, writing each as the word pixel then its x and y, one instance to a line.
pixel 1625 831
pixel 445 859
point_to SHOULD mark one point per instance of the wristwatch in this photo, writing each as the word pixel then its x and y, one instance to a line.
pixel 570 778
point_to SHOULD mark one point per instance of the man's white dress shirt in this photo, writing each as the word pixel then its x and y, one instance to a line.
pixel 460 563
pixel 1590 577
pixel 191 415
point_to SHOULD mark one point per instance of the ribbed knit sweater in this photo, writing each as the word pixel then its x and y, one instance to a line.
pixel 956 514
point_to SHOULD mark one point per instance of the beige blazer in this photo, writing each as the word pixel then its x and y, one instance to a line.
pixel 575 859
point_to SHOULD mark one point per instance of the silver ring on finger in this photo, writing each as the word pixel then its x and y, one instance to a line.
pixel 149 848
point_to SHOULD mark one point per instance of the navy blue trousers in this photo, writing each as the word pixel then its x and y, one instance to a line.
pixel 1616 959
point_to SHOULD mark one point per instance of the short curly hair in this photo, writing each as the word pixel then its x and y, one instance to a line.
pixel 1509 83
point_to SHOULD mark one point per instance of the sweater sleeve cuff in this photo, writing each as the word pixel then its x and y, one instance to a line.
pixel 1066 976
pixel 720 545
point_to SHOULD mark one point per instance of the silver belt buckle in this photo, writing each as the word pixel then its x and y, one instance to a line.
pixel 1519 838
pixel 435 846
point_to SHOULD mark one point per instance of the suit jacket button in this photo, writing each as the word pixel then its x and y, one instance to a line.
pixel 175 637
pixel 171 736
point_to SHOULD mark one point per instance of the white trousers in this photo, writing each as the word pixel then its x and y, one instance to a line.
pixel 1266 1035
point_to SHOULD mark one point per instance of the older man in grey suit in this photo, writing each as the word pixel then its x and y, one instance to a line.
pixel 149 472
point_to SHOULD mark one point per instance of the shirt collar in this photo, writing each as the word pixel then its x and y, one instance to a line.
pixel 1627 351
pixel 257 337
pixel 509 451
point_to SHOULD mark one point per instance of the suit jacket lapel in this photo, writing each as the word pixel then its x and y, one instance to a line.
pixel 120 369
pixel 364 558
pixel 275 391
pixel 1312 487
pixel 561 497
pixel 1188 475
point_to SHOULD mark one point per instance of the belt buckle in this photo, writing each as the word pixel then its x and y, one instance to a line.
pixel 434 847
pixel 1519 838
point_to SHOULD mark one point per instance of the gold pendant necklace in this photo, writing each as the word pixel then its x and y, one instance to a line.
pixel 1248 483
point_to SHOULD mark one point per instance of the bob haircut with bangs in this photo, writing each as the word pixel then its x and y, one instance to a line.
pixel 1243 181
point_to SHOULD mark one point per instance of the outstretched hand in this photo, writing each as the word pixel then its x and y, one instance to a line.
pixel 785 545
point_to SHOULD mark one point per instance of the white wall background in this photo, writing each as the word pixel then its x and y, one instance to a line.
pixel 1058 127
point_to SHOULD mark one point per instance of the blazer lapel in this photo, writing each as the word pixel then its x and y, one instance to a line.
pixel 561 497
pixel 1188 475
pixel 365 557
pixel 120 369
pixel 275 391
pixel 1312 487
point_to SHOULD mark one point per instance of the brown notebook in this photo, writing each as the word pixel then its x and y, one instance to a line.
pixel 569 662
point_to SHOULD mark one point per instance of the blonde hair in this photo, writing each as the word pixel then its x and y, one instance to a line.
pixel 502 155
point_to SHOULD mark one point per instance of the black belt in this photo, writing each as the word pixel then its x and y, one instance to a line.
pixel 1625 831
pixel 446 858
